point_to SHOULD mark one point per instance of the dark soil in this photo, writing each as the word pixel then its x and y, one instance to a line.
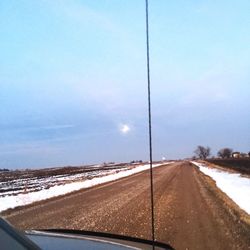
pixel 240 165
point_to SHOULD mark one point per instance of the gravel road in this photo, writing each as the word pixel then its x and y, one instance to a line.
pixel 190 212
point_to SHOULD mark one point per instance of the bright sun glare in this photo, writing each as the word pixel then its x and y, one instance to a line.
pixel 124 128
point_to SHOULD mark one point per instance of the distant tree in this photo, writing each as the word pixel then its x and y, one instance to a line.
pixel 225 153
pixel 249 153
pixel 202 152
pixel 4 170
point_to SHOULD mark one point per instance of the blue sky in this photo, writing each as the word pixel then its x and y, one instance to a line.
pixel 73 80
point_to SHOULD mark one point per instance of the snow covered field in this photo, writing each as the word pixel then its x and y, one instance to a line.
pixel 12 199
pixel 233 184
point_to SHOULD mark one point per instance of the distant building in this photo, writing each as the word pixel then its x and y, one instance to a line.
pixel 242 155
pixel 236 155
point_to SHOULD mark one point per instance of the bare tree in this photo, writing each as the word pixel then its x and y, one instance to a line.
pixel 225 153
pixel 202 152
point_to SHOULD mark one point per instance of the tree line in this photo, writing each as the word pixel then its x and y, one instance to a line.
pixel 204 152
pixel 4 170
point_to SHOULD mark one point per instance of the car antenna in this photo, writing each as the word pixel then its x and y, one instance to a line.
pixel 150 130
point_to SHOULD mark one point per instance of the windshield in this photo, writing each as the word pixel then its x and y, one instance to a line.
pixel 74 133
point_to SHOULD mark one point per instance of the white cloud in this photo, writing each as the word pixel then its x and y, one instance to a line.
pixel 82 14
pixel 52 127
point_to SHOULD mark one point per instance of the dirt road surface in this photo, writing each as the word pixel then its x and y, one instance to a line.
pixel 190 212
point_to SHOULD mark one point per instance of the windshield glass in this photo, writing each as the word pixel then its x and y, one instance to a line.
pixel 74 133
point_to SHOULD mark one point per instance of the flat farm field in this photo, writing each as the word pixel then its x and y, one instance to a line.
pixel 241 165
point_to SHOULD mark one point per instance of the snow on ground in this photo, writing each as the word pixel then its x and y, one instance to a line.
pixel 32 184
pixel 233 184
pixel 22 199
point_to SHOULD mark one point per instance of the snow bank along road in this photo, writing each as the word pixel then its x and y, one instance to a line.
pixel 233 184
pixel 14 199
pixel 190 211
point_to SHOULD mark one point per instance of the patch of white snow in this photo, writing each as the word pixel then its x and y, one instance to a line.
pixel 234 185
pixel 12 201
